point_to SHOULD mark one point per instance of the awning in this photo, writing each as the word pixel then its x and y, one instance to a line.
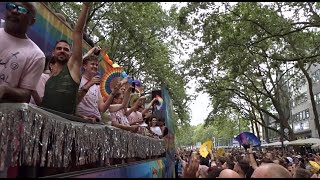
pixel 275 144
pixel 305 141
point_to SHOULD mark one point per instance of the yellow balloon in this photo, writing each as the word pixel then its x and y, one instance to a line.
pixel 115 65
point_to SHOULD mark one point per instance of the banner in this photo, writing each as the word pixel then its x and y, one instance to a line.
pixel 167 108
pixel 151 169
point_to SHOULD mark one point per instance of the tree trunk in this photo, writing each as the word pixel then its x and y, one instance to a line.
pixel 313 102
pixel 252 127
pixel 257 130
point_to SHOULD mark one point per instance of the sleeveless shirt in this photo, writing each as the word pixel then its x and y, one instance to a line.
pixel 61 92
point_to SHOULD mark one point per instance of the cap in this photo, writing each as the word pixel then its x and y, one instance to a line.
pixel 290 159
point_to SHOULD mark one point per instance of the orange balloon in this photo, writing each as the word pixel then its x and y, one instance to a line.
pixel 106 57
pixel 110 62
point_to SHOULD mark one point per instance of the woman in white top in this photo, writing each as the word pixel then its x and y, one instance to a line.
pixel 154 128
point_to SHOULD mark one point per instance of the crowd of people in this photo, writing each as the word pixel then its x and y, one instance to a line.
pixel 247 163
pixel 66 81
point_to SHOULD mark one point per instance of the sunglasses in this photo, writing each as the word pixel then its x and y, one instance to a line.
pixel 20 9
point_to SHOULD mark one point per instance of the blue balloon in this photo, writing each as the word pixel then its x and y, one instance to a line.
pixel 124 74
pixel 130 80
pixel 137 82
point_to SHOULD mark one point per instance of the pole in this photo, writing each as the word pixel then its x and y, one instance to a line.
pixel 281 138
pixel 239 124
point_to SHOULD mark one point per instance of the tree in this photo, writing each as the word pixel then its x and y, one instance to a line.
pixel 239 45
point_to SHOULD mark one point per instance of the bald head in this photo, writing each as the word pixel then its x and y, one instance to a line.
pixel 277 170
pixel 228 173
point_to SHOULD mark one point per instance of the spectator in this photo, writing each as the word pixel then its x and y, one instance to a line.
pixel 164 129
pixel 118 117
pixel 154 128
pixel 302 173
pixel 214 172
pixel 243 168
pixel 264 171
pixel 62 87
pixel 50 68
pixel 91 103
pixel 135 117
pixel 21 60
pixel 228 173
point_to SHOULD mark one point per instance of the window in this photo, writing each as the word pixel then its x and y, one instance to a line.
pixel 317 99
pixel 316 76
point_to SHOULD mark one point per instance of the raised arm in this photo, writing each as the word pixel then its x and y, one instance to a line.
pixel 104 105
pixel 135 106
pixel 91 51
pixel 253 162
pixel 75 61
pixel 148 106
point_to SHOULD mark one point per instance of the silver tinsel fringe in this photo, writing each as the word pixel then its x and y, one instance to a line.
pixel 30 135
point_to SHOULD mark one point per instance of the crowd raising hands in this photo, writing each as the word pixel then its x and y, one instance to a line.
pixel 240 163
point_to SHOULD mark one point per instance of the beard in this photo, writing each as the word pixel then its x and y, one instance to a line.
pixel 62 59
pixel 14 26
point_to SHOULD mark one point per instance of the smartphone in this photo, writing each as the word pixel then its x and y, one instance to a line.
pixel 133 90
pixel 96 52
pixel 98 74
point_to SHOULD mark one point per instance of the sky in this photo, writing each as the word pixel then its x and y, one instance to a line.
pixel 200 106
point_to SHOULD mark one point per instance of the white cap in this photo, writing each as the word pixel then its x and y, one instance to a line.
pixel 290 159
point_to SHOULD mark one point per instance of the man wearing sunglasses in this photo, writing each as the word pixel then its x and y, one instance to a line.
pixel 21 60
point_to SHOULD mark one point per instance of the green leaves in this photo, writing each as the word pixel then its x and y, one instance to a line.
pixel 249 38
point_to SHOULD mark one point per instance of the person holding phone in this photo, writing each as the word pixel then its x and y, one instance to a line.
pixel 91 103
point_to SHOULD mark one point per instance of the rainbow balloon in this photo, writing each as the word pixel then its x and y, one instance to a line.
pixel 109 80
pixel 160 102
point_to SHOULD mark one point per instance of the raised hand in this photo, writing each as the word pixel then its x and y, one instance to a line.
pixel 116 87
pixel 190 170
pixel 87 3
pixel 94 80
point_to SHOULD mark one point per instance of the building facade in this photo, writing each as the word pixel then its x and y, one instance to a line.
pixel 301 113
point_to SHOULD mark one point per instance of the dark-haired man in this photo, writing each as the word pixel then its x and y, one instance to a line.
pixel 21 60
pixel 62 87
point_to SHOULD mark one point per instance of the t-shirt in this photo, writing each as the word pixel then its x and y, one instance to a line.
pixel 135 117
pixel 89 104
pixel 156 130
pixel 40 86
pixel 21 62
pixel 120 117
